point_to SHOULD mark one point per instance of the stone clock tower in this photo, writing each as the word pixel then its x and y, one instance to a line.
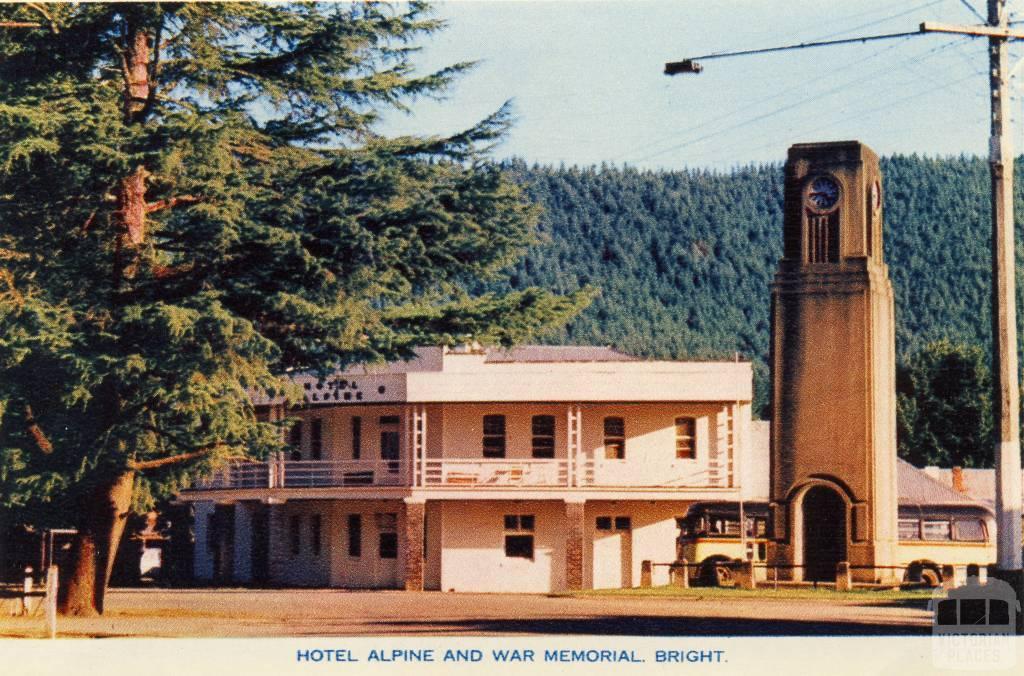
pixel 833 436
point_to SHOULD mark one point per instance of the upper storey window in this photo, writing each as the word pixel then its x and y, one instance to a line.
pixel 543 442
pixel 614 438
pixel 494 436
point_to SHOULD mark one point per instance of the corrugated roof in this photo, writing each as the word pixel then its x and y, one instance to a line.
pixel 557 353
pixel 915 487
pixel 979 483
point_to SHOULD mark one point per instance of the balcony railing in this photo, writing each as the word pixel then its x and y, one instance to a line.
pixel 309 474
pixel 457 473
pixel 496 473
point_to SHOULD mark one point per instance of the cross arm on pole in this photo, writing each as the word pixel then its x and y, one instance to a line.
pixel 977 31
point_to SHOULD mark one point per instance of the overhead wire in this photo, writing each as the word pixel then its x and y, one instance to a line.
pixel 815 97
pixel 973 11
pixel 758 103
pixel 917 94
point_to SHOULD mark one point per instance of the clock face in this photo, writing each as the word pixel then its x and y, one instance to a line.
pixel 822 193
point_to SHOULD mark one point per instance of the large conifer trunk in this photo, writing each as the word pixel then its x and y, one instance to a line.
pixel 95 547
pixel 84 588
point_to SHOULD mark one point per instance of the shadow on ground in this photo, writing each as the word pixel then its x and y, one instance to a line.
pixel 642 625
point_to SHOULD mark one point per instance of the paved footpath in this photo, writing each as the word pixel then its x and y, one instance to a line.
pixel 332 612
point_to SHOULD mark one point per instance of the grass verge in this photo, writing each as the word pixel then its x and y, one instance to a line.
pixel 696 593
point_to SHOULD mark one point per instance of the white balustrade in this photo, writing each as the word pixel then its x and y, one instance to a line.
pixel 496 472
pixel 465 472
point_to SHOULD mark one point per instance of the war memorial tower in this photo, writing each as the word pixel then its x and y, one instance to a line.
pixel 833 435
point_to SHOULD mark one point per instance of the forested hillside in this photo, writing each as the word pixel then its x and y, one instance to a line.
pixel 683 260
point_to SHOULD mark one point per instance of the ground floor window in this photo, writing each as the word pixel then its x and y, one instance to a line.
pixel 387 530
pixel 355 535
pixel 295 523
pixel 315 533
pixel 519 536
pixel 613 523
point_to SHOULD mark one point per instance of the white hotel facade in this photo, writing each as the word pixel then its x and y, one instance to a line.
pixel 536 469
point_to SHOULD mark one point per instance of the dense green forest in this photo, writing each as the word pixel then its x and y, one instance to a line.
pixel 683 260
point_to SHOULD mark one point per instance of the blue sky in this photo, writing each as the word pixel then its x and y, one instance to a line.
pixel 586 79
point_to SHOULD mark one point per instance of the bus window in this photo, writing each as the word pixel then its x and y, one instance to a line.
pixel 935 530
pixel 910 529
pixel 688 527
pixel 969 530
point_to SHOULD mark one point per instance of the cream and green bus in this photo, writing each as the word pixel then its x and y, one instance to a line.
pixel 930 538
pixel 710 539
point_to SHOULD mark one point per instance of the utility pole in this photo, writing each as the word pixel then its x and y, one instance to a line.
pixel 1006 376
pixel 1006 381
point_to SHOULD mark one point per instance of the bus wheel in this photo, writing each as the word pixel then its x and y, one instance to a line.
pixel 923 573
pixel 723 576
pixel 716 572
pixel 931 577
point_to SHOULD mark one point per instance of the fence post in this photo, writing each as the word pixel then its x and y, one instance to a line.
pixel 51 601
pixel 746 575
pixel 682 574
pixel 843 580
pixel 26 590
pixel 645 574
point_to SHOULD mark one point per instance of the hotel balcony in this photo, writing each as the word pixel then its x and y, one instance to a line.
pixel 464 473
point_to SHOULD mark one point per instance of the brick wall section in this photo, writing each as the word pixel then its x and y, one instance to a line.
pixel 414 516
pixel 574 545
pixel 278 553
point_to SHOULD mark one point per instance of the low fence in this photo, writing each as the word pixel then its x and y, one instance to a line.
pixel 743 574
pixel 29 600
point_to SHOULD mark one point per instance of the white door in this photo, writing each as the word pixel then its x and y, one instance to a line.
pixel 613 552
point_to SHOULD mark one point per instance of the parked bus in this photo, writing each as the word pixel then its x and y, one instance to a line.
pixel 709 535
pixel 929 538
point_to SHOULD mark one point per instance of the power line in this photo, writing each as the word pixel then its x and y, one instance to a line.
pixel 815 97
pixel 973 11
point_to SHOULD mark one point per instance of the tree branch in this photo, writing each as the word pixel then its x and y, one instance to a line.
pixel 88 222
pixel 36 432
pixel 172 202
pixel 143 465
pixel 169 273
pixel 41 8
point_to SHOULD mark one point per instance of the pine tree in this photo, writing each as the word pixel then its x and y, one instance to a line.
pixel 195 202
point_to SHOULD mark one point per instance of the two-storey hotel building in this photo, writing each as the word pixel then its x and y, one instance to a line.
pixel 535 469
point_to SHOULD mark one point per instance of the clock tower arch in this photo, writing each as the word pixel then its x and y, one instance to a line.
pixel 833 437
